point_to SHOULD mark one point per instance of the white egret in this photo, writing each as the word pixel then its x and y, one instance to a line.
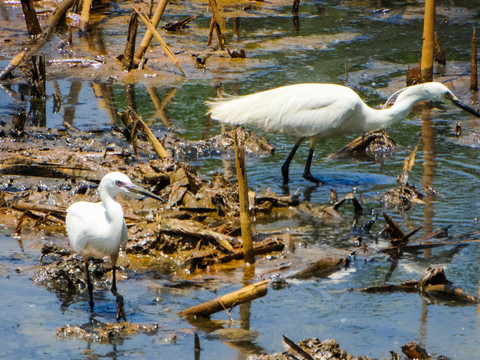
pixel 320 111
pixel 98 229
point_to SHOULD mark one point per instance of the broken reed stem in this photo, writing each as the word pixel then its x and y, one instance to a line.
pixel 218 24
pixel 248 293
pixel 165 47
pixel 31 19
pixel 473 65
pixel 85 17
pixel 147 38
pixel 140 124
pixel 53 21
pixel 128 61
pixel 426 65
pixel 245 219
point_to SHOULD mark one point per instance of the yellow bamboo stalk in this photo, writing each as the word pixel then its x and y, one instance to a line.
pixel 85 17
pixel 157 36
pixel 426 65
pixel 243 199
pixel 147 38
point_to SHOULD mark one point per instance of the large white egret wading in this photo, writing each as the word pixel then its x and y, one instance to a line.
pixel 98 229
pixel 321 111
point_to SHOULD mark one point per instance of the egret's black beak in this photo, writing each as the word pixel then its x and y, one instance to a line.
pixel 138 190
pixel 465 107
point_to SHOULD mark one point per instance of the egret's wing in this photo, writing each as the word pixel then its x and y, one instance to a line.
pixel 89 231
pixel 124 236
pixel 302 110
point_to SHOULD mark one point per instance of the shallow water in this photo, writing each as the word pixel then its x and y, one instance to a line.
pixel 376 47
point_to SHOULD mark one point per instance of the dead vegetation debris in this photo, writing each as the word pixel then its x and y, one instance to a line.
pixel 105 333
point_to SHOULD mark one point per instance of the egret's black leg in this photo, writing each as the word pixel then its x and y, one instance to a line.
pixel 307 174
pixel 119 300
pixel 286 164
pixel 89 286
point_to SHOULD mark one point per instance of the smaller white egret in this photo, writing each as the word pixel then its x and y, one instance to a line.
pixel 320 111
pixel 98 229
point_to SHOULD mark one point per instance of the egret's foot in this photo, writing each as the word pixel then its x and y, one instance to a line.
pixel 120 309
pixel 91 306
pixel 313 179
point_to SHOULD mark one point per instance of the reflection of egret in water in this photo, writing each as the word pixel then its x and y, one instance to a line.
pixel 321 111
pixel 98 229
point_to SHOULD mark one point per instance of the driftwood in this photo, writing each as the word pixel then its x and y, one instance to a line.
pixel 399 238
pixel 48 171
pixel 53 21
pixel 373 144
pixel 414 351
pixel 176 25
pixel 206 258
pixel 59 211
pixel 246 294
pixel 195 229
pixel 322 268
pixel 434 285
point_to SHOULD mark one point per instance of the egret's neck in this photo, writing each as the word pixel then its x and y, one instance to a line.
pixel 113 208
pixel 397 112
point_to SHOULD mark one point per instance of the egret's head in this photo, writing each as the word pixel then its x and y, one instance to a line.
pixel 433 91
pixel 117 183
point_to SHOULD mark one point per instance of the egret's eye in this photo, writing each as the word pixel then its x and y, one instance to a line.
pixel 118 183
pixel 448 96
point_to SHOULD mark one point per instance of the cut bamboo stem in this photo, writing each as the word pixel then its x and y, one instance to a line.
pixel 165 47
pixel 473 65
pixel 248 293
pixel 31 19
pixel 147 38
pixel 245 218
pixel 85 17
pixel 426 64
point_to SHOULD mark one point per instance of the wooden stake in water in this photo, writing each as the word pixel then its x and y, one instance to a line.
pixel 426 64
pixel 473 65
pixel 31 18
pixel 243 199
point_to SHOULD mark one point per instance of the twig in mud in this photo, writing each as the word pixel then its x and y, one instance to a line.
pixel 290 345
pixel 165 47
pixel 216 24
pixel 131 117
pixel 176 25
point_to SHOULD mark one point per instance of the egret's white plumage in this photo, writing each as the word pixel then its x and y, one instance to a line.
pixel 98 229
pixel 320 111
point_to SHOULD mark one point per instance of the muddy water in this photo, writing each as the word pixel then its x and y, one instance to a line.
pixel 375 44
